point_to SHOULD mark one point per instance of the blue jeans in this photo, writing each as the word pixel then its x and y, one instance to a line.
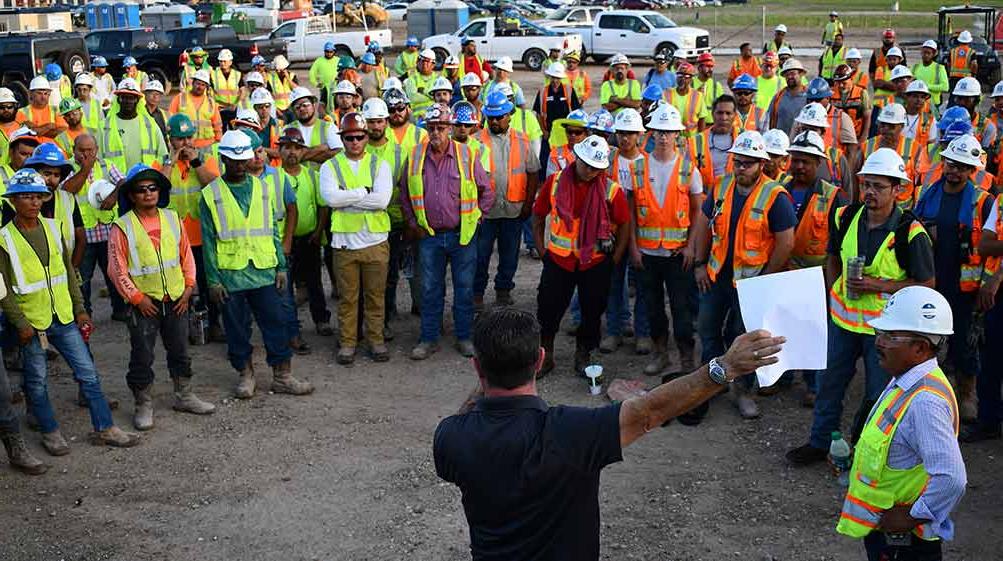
pixel 267 306
pixel 720 322
pixel 434 253
pixel 527 225
pixel 290 312
pixel 618 305
pixel 96 257
pixel 506 231
pixel 987 384
pixel 845 347
pixel 66 339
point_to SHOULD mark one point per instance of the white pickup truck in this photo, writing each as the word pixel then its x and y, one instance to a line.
pixel 572 16
pixel 305 38
pixel 639 34
pixel 528 43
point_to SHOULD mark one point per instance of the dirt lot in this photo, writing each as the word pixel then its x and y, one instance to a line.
pixel 347 473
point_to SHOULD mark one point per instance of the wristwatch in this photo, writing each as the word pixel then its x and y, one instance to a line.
pixel 717 372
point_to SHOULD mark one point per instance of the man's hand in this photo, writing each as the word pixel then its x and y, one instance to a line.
pixel 147 307
pixel 24 336
pixel 702 278
pixel 751 351
pixel 86 160
pixel 689 256
pixel 280 280
pixel 867 284
pixel 181 306
pixel 897 520
pixel 217 294
pixel 987 294
pixel 526 210
pixel 416 233
pixel 83 320
pixel 109 202
pixel 635 258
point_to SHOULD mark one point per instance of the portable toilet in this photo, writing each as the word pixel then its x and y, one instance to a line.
pixel 106 19
pixel 168 17
pixel 433 17
pixel 126 15
pixel 91 15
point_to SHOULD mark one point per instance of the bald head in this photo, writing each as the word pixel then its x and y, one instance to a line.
pixel 85 147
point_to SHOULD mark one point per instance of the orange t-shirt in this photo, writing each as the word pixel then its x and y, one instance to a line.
pixel 192 224
pixel 40 116
pixel 118 259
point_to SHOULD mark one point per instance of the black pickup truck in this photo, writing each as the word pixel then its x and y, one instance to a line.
pixel 25 55
pixel 158 53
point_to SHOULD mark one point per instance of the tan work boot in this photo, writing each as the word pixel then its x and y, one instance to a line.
pixel 20 458
pixel 114 437
pixel 504 298
pixel 55 444
pixel 246 384
pixel 660 359
pixel 548 356
pixel 283 381
pixel 186 401
pixel 142 419
pixel 968 404
pixel 747 407
pixel 643 346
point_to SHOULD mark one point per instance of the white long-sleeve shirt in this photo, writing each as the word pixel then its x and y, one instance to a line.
pixel 356 200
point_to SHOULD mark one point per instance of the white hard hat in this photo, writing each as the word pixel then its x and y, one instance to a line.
pixel 375 108
pixel 751 144
pixel 666 118
pixel 39 83
pixel 281 62
pixel 594 151
pixel 901 71
pixel 780 28
pixel 930 44
pixel 894 51
pixel 470 79
pixel 965 149
pixel 628 120
pixel 128 86
pixel 99 191
pixel 917 86
pixel 619 58
pixel 84 79
pixel 392 83
pixel 298 93
pixel 784 50
pixel 248 116
pixel 885 162
pixel 202 75
pixel 236 145
pixel 777 142
pixel 261 96
pixel 556 70
pixel 997 90
pixel 7 96
pixel 255 77
pixel 916 309
pixel 345 87
pixel 892 114
pixel 441 84
pixel 853 54
pixel 792 64
pixel 808 142
pixel 965 36
pixel 504 63
pixel 451 62
pixel 427 54
pixel 225 55
pixel 153 85
pixel 813 115
pixel 966 86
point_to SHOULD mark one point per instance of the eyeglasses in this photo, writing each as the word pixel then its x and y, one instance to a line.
pixel 744 164
pixel 497 117
pixel 574 132
pixel 398 109
pixel 872 186
pixel 744 92
pixel 302 105
pixel 464 125
pixel 957 166
pixel 140 189
pixel 664 133
pixel 894 339
pixel 354 138
pixel 437 128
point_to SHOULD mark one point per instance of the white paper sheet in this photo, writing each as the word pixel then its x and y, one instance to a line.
pixel 789 304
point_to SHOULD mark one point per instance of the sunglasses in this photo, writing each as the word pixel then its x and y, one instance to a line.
pixel 354 138
pixel 743 164
pixel 497 117
pixel 140 189
pixel 437 128
pixel 398 109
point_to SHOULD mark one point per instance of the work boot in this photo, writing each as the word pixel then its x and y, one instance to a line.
pixel 687 355
pixel 503 298
pixel 55 444
pixel 747 407
pixel 20 458
pixel 284 382
pixel 967 402
pixel 114 437
pixel 478 303
pixel 584 358
pixel 16 396
pixel 380 353
pixel 186 401
pixel 466 347
pixel 610 344
pixel 216 334
pixel 143 418
pixel 548 356
pixel 345 356
pixel 423 350
pixel 808 399
pixel 246 384
pixel 299 346
pixel 324 329
pixel 660 360
pixel 643 346
pixel 806 455
pixel 388 333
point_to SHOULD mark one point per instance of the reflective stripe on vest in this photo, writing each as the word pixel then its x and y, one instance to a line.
pixel 40 290
pixel 273 181
pixel 200 114
pixel 227 89
pixel 470 213
pixel 347 221
pixel 750 253
pixel 93 216
pixel 693 101
pixel 543 98
pixel 186 190
pixel 812 234
pixel 112 147
pixel 280 90
pixel 961 57
pixel 242 239
pixel 156 271
pixel 518 144
pixel 664 225
pixel 225 232
pixel 563 238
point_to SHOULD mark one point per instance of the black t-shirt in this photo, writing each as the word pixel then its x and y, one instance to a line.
pixel 871 239
pixel 529 475
pixel 557 105
pixel 947 245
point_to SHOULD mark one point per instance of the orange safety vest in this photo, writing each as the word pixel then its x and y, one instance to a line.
pixel 754 242
pixel 832 164
pixel 971 265
pixel 811 238
pixel 699 151
pixel 518 148
pixel 563 238
pixel 993 263
pixel 923 128
pixel 908 148
pixel 543 99
pixel 852 105
pixel 37 117
pixel 831 135
pixel 751 121
pixel 201 114
pixel 981 178
pixel 861 80
pixel 581 83
pixel 562 156
pixel 979 125
pixel 961 58
pixel 664 225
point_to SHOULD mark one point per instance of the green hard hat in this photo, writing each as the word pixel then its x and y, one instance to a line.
pixel 253 135
pixel 180 126
pixel 346 62
pixel 68 104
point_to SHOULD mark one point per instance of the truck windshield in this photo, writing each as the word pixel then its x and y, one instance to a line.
pixel 658 21
pixel 559 14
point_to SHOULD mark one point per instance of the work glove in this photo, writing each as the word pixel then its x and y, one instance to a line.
pixel 217 294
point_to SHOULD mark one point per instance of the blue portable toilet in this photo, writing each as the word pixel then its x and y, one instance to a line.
pixel 126 15
pixel 91 15
pixel 106 18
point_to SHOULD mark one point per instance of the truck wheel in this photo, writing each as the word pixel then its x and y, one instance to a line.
pixel 667 49
pixel 533 59
pixel 160 76
pixel 20 92
pixel 600 59
pixel 73 63
pixel 440 57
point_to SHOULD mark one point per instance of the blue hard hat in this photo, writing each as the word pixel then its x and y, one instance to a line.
pixel 368 58
pixel 258 59
pixel 602 120
pixel 464 41
pixel 99 62
pixel 954 130
pixel 139 172
pixel 53 71
pixel 497 104
pixel 412 41
pixel 653 92
pixel 955 122
pixel 47 154
pixel 329 46
pixel 818 88
pixel 24 181
pixel 464 113
pixel 511 13
pixel 745 82
pixel 129 61
pixel 374 47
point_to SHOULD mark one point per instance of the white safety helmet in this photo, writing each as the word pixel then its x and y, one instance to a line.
pixel 853 54
pixel 628 120
pixel 917 309
pixel 255 77
pixel 966 86
pixel 666 118
pixel 894 51
pixel 84 79
pixel 885 162
pixel 261 96
pixel 892 114
pixel 780 28
pixel 99 191
pixel 375 108
pixel 236 145
pixel 153 86
pixel 619 58
pixel 345 87
pixel 7 96
pixel 965 149
pixel 813 115
pixel 298 93
pixel 997 90
pixel 594 151
pixel 441 84
pixel 917 86
pixel 470 79
pixel 901 71
pixel 128 86
pixel 392 83
pixel 504 63
pixel 556 70
pixel 792 64
pixel 427 54
pixel 225 55
pixel 39 83
pixel 751 144
pixel 451 62
pixel 777 142
pixel 248 116
pixel 808 142
pixel 281 62
pixel 930 44
pixel 965 37
pixel 202 75
pixel 784 50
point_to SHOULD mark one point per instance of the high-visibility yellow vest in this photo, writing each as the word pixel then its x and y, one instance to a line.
pixel 853 314
pixel 305 186
pixel 201 114
pixel 242 239
pixel 39 290
pixel 874 486
pixel 186 191
pixel 395 157
pixel 93 113
pixel 830 60
pixel 63 215
pixel 90 215
pixel 280 90
pixel 344 221
pixel 470 213
pixel 417 87
pixel 226 89
pixel 410 137
pixel 274 181
pixel 156 271
pixel 113 149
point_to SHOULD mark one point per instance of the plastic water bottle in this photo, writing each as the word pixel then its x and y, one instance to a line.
pixel 839 450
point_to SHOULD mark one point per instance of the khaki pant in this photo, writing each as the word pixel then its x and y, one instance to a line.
pixel 365 268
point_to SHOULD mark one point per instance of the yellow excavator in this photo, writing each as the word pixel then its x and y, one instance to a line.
pixel 353 14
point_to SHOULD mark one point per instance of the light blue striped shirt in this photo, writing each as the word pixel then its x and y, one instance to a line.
pixel 926 436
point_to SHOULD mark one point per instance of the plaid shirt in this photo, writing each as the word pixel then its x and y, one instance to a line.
pixel 99 233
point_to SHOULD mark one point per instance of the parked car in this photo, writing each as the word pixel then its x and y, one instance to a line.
pixel 397 11
pixel 639 34
pixel 529 44
pixel 305 38
pixel 572 16
pixel 638 5
pixel 25 55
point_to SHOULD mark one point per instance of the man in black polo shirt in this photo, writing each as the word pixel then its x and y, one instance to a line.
pixel 529 473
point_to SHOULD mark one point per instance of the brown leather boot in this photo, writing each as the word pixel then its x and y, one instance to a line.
pixel 660 357
pixel 143 417
pixel 968 404
pixel 20 457
pixel 246 383
pixel 186 401
pixel 284 382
